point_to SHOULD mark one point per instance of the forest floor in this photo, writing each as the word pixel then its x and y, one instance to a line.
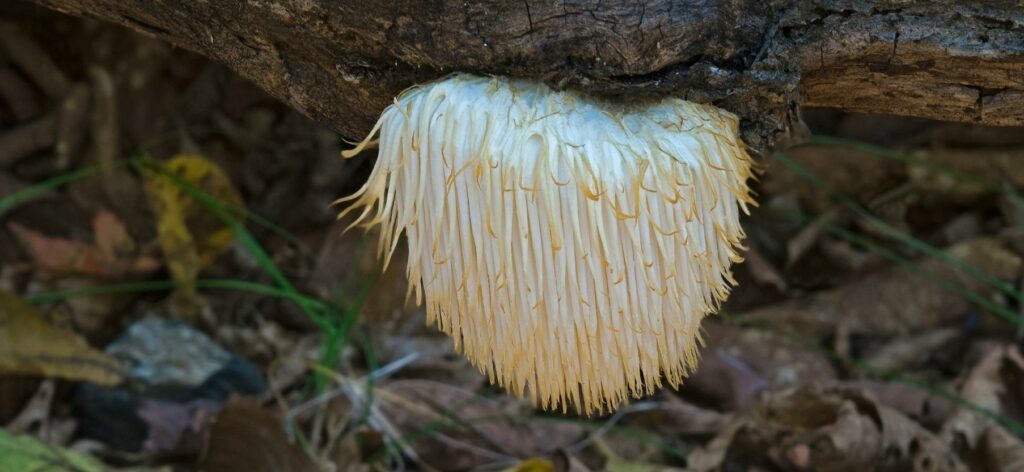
pixel 176 294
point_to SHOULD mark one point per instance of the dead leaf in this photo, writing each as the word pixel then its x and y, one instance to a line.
pixel 175 428
pixel 674 416
pixel 435 359
pixel 741 362
pixel 191 235
pixel 724 381
pixel 451 428
pixel 245 437
pixel 344 453
pixel 848 171
pixel 292 365
pixel 898 301
pixel 802 242
pixel 113 255
pixel 616 463
pixel 1000 450
pixel 984 387
pixel 905 351
pixel 58 254
pixel 931 410
pixel 828 429
pixel 711 456
pixel 762 270
pixel 36 418
pixel 987 165
pixel 29 345
pixel 36 410
pixel 565 462
pixel 15 393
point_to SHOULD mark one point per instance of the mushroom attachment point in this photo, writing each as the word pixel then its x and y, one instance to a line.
pixel 570 245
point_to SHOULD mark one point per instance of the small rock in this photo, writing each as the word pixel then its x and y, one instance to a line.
pixel 179 377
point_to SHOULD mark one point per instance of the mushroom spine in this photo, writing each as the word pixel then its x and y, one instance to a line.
pixel 569 245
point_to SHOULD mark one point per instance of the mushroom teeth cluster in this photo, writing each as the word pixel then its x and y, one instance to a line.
pixel 569 245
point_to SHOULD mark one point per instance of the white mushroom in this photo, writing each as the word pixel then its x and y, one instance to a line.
pixel 570 245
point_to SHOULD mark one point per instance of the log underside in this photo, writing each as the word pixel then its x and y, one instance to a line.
pixel 343 61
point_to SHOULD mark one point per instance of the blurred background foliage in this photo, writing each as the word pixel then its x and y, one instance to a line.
pixel 175 294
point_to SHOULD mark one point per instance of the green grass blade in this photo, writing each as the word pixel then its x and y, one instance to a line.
pixel 168 285
pixel 334 324
pixel 245 238
pixel 895 376
pixel 17 198
pixel 909 264
pixel 964 177
pixel 895 233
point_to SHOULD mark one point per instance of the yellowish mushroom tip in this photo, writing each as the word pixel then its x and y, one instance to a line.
pixel 569 245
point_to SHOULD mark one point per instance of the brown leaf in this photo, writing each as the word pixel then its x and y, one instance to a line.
pixel 984 387
pixel 565 462
pixel 675 416
pixel 847 171
pixel 633 461
pixel 15 392
pixel 804 240
pixel 175 427
pixel 898 301
pixel 245 437
pixel 741 362
pixel 1000 450
pixel 987 165
pixel 111 236
pixel 826 429
pixel 930 410
pixel 36 410
pixel 902 352
pixel 29 345
pixel 457 429
pixel 112 256
pixel 58 254
pixel 762 269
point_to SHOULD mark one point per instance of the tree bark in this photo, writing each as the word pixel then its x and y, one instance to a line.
pixel 343 61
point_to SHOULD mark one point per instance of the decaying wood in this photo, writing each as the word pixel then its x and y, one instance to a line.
pixel 343 61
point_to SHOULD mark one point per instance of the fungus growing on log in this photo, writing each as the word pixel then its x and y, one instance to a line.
pixel 570 245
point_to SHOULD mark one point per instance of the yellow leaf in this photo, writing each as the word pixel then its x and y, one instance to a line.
pixel 532 465
pixel 191 236
pixel 30 345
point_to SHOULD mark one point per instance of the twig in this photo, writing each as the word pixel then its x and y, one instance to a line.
pixel 18 95
pixel 611 422
pixel 33 61
pixel 71 125
pixel 22 141
pixel 105 135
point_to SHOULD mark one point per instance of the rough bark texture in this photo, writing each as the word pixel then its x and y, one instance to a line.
pixel 344 60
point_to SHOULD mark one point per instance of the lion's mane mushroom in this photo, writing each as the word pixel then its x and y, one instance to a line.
pixel 569 245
